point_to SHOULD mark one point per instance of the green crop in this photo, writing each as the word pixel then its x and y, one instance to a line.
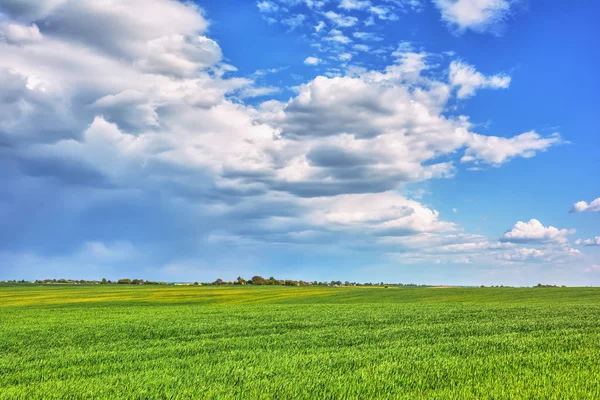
pixel 174 342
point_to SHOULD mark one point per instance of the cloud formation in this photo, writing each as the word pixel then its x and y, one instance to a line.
pixel 133 112
pixel 582 206
pixel 498 150
pixel 468 80
pixel 476 15
pixel 588 242
pixel 534 232
pixel 312 61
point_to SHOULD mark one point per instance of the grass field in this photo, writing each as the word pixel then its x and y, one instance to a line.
pixel 140 342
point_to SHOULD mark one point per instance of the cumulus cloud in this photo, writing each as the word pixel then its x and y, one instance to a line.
pixel 457 248
pixel 340 20
pixel 468 80
pixel 367 36
pixel 385 214
pixel 312 61
pixel 337 36
pixel 267 6
pixel 476 15
pixel 582 206
pixel 354 4
pixel 588 242
pixel 522 254
pixel 136 102
pixel 180 55
pixel 383 13
pixel 498 150
pixel 534 232
pixel 20 34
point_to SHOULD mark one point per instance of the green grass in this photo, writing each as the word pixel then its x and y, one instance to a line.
pixel 141 342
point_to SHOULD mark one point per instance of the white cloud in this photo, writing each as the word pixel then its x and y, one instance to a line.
pixel 19 34
pixel 341 20
pixel 312 61
pixel 522 254
pixel 383 13
pixel 267 6
pixel 375 123
pixel 468 80
pixel 386 214
pixel 498 150
pixel 582 206
pixel 457 248
pixel 180 55
pixel 477 15
pixel 158 113
pixel 294 21
pixel 534 232
pixel 588 242
pixel 319 26
pixel 254 91
pixel 367 36
pixel 337 36
pixel 361 47
pixel 354 4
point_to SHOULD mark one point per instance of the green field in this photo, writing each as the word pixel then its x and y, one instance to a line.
pixel 140 342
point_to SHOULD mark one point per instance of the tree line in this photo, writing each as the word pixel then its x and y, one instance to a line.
pixel 255 280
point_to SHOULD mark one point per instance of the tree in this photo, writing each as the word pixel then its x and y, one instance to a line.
pixel 240 280
pixel 104 281
pixel 258 280
pixel 125 281
pixel 219 281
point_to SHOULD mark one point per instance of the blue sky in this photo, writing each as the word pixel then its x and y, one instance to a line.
pixel 424 141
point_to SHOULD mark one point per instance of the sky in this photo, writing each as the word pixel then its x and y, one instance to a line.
pixel 417 141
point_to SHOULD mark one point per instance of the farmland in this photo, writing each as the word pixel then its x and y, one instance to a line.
pixel 138 342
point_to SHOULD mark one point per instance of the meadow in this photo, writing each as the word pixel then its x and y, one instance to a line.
pixel 186 342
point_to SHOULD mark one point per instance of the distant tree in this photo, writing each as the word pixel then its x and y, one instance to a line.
pixel 195 283
pixel 104 281
pixel 218 282
pixel 240 281
pixel 125 281
pixel 258 280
